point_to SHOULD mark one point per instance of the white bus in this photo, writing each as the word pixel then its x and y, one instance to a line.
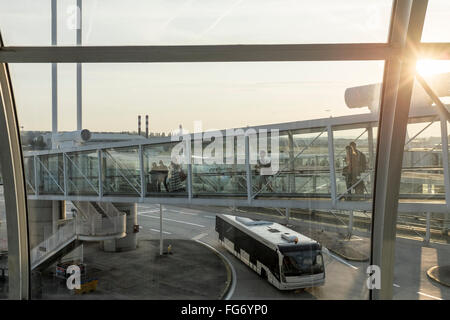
pixel 287 259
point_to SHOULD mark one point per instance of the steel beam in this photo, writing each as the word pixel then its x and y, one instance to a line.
pixel 199 53
pixel 11 162
pixel 100 174
pixel 248 171
pixel 332 165
pixel 306 126
pixel 79 69
pixel 406 31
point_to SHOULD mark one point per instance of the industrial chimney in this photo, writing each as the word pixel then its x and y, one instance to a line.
pixel 139 125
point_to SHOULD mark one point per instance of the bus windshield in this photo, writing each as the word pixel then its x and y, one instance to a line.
pixel 305 262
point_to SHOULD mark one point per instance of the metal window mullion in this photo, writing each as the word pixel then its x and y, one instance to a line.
pixel 14 192
pixel 199 53
pixel 141 170
pixel 371 146
pixel 100 173
pixel 36 174
pixel 248 169
pixel 188 160
pixel 445 165
pixel 291 179
pixel 332 164
pixel 65 175
pixel 406 31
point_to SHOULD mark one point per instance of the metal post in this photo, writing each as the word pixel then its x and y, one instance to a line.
pixel 445 165
pixel 100 173
pixel 189 167
pixel 160 230
pixel 288 215
pixel 65 176
pixel 54 39
pixel 406 31
pixel 36 174
pixel 332 164
pixel 291 177
pixel 350 222
pixel 79 68
pixel 371 146
pixel 427 233
pixel 15 197
pixel 248 169
pixel 142 173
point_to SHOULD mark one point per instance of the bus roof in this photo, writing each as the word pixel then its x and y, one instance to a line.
pixel 270 232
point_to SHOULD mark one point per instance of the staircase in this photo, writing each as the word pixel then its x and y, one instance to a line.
pixel 97 221
pixel 53 244
pixel 94 222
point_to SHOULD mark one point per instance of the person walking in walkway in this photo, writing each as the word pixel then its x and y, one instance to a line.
pixel 163 172
pixel 174 178
pixel 346 171
pixel 358 166
pixel 264 178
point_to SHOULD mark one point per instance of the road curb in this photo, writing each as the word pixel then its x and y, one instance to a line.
pixel 231 273
pixel 349 258
pixel 431 274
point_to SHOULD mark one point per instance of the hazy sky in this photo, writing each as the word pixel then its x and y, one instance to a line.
pixel 219 94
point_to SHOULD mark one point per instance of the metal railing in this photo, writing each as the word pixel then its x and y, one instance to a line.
pixel 52 244
pixel 125 177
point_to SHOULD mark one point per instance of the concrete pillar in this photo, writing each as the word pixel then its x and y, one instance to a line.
pixel 129 242
pixel 350 222
pixel 288 215
pixel 43 216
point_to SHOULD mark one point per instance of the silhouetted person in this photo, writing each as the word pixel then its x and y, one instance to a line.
pixel 347 171
pixel 174 178
pixel 154 185
pixel 264 179
pixel 163 173
pixel 358 166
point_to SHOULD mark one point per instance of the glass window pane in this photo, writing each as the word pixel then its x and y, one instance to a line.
pixel 183 22
pixel 437 24
pixel 422 252
pixel 3 244
pixel 307 163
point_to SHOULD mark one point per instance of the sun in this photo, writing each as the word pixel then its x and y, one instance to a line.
pixel 427 67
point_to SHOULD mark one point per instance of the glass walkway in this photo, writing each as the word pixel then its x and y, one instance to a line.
pixel 311 156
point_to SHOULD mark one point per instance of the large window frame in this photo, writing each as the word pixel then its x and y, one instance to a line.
pixel 400 54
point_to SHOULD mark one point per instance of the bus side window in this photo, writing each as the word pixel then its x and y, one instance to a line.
pixel 229 232
pixel 219 227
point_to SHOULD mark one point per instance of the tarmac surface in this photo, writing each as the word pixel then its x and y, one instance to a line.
pixel 345 278
pixel 191 271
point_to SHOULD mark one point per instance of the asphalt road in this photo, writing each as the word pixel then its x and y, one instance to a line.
pixel 344 279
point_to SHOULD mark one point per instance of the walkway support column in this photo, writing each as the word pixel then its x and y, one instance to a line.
pixel 160 231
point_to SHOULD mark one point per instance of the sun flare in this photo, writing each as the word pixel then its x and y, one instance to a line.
pixel 427 67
